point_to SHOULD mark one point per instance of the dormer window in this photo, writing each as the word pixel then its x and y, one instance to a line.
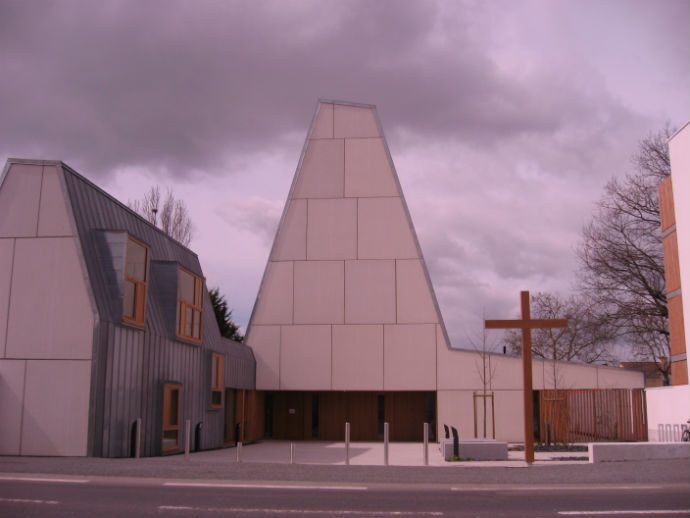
pixel 136 273
pixel 189 289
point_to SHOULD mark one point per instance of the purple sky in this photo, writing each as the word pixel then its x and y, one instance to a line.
pixel 504 118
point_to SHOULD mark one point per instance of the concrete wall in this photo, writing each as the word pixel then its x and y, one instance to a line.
pixel 668 407
pixel 461 373
pixel 46 318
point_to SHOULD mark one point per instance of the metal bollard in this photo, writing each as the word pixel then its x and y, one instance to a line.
pixel 238 452
pixel 426 444
pixel 385 444
pixel 347 444
pixel 137 440
pixel 187 438
pixel 292 453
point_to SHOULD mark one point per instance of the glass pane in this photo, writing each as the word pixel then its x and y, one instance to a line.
pixel 217 398
pixel 128 299
pixel 174 404
pixel 214 372
pixel 197 291
pixel 189 312
pixel 136 260
pixel 185 286
pixel 196 331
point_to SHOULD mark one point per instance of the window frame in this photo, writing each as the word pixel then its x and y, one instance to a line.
pixel 217 368
pixel 166 426
pixel 197 306
pixel 140 287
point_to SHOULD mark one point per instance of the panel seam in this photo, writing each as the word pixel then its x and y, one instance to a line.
pixel 21 421
pixel 9 300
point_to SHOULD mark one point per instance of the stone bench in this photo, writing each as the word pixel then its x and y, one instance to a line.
pixel 476 449
pixel 621 451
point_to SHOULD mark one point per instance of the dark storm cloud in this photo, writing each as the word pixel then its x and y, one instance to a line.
pixel 185 86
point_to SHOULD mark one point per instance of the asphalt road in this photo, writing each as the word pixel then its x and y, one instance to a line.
pixel 104 497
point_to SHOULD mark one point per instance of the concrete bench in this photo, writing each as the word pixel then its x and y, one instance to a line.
pixel 621 451
pixel 476 449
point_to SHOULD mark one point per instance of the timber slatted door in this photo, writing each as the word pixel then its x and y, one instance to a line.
pixel 591 415
pixel 172 416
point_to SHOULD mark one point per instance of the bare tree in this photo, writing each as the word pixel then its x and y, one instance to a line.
pixel 621 256
pixel 587 338
pixel 170 215
pixel 486 372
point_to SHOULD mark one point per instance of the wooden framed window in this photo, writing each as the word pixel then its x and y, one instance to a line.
pixel 217 380
pixel 136 276
pixel 172 416
pixel 189 310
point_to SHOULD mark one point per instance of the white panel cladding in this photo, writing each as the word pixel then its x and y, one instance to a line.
pixel 291 241
pixel 275 306
pixel 6 255
pixel 415 305
pixel 20 193
pixel 56 407
pixel 368 171
pixel 612 377
pixel 305 358
pixel 11 401
pixel 322 174
pixel 347 204
pixel 561 375
pixel 53 219
pixel 410 357
pixel 323 125
pixel 50 313
pixel 265 342
pixel 332 229
pixel 370 292
pixel 358 357
pixel 383 230
pixel 354 121
pixel 319 292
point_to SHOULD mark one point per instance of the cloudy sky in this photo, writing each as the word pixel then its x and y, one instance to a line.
pixel 504 118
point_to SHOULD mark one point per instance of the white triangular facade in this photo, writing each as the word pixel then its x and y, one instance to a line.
pixel 346 302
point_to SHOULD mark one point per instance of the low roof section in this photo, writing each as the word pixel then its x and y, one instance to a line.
pixel 96 213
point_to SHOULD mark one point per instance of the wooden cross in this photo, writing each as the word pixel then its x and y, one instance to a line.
pixel 526 324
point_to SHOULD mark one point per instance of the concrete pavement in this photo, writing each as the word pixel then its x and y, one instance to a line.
pixel 269 461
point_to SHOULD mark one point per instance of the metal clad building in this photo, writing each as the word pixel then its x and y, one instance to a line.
pixel 163 349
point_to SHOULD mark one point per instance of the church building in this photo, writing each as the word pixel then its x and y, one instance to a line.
pixel 346 326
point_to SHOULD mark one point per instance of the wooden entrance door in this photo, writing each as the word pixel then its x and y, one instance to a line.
pixel 172 416
pixel 288 416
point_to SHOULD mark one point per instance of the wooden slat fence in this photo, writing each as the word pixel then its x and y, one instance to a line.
pixel 592 415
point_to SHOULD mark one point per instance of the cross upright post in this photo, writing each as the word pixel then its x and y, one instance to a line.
pixel 526 324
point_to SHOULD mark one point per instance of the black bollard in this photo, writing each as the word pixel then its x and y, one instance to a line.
pixel 456 442
pixel 445 429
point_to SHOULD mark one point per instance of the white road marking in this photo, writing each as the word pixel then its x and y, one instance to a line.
pixel 330 512
pixel 262 486
pixel 646 512
pixel 556 488
pixel 27 501
pixel 37 479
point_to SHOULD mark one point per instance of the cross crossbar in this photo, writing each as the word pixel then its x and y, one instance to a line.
pixel 525 324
